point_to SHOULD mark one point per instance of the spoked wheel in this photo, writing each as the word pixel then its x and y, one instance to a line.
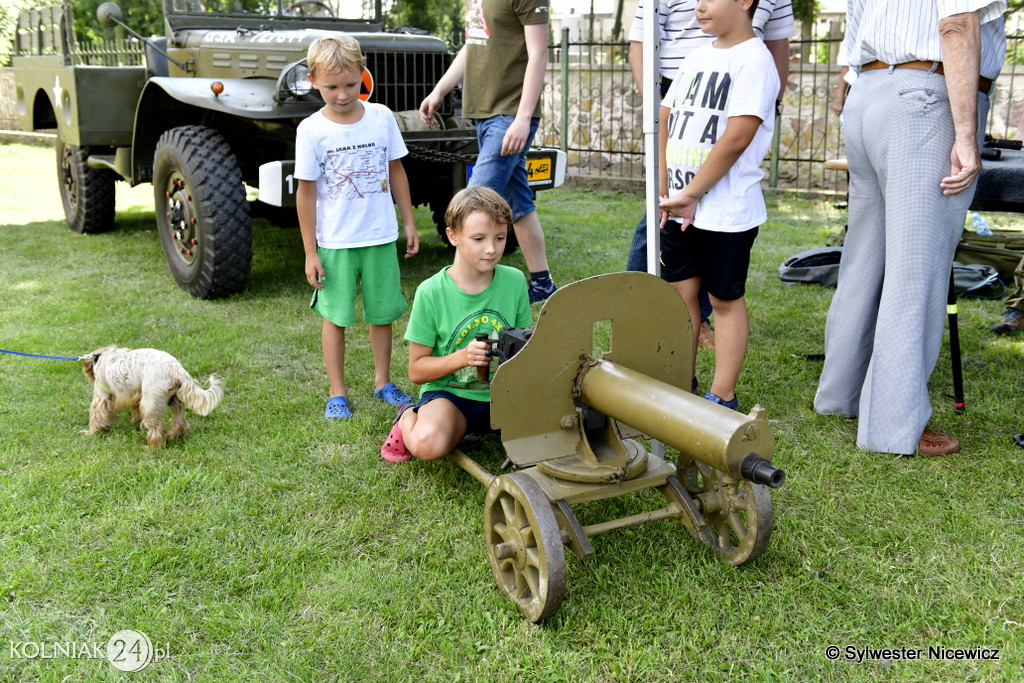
pixel 524 545
pixel 309 8
pixel 738 512
pixel 87 193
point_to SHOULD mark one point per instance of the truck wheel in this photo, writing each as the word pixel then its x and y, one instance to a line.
pixel 201 212
pixel 87 193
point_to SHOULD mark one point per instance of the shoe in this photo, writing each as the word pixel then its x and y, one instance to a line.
pixel 338 409
pixel 392 395
pixel 734 404
pixel 540 290
pixel 394 449
pixel 934 443
pixel 706 336
pixel 1012 322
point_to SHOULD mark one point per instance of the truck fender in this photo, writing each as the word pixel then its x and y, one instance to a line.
pixel 171 102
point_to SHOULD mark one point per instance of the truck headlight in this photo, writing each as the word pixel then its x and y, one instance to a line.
pixel 293 81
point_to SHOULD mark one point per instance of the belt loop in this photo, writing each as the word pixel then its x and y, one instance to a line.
pixel 892 67
pixel 935 67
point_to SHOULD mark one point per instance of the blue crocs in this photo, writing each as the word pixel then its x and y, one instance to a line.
pixel 337 409
pixel 392 395
pixel 734 404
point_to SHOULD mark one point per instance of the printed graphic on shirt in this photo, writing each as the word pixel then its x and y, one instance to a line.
pixel 477 32
pixel 354 172
pixel 698 117
pixel 487 321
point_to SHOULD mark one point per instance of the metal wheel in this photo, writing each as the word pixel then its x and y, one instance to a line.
pixel 738 512
pixel 86 193
pixel 309 8
pixel 201 212
pixel 524 545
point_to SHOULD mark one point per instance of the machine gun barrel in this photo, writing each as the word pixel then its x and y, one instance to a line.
pixel 739 444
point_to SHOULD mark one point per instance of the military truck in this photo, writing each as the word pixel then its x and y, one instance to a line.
pixel 211 110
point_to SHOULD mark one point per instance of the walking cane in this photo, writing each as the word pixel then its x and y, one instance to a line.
pixel 954 349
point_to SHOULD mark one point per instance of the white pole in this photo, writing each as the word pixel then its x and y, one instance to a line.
pixel 652 102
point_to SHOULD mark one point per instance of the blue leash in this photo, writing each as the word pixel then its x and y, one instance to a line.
pixel 36 355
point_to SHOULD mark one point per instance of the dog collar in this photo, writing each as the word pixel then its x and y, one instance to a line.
pixel 95 359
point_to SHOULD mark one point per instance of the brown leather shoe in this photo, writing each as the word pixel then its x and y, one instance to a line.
pixel 934 443
pixel 706 336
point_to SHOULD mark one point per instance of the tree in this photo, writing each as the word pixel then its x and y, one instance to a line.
pixel 806 10
pixel 442 18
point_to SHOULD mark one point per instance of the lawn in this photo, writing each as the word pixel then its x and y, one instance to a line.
pixel 271 545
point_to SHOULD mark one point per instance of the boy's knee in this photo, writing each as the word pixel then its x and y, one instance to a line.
pixel 429 441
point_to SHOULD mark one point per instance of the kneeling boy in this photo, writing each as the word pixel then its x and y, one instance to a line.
pixel 473 295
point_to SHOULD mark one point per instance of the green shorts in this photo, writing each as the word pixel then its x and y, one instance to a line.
pixel 376 268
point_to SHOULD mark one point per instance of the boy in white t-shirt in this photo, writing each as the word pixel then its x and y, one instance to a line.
pixel 350 173
pixel 716 126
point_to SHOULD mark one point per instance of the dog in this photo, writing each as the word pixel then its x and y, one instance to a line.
pixel 148 381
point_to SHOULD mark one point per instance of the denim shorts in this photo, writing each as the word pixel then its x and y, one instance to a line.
pixel 477 413
pixel 506 175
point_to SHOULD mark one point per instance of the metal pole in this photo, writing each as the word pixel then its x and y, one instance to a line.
pixel 773 164
pixel 565 90
pixel 652 104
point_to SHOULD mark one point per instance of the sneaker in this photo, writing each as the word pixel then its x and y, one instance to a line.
pixel 392 395
pixel 1012 322
pixel 734 404
pixel 338 409
pixel 541 289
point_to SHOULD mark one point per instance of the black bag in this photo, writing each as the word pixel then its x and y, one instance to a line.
pixel 977 281
pixel 814 266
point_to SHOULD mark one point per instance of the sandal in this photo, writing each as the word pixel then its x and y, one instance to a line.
pixel 394 449
pixel 338 409
pixel 392 395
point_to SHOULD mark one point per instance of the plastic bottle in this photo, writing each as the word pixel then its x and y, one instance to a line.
pixel 980 224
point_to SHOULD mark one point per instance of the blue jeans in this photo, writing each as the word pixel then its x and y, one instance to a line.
pixel 505 174
pixel 637 261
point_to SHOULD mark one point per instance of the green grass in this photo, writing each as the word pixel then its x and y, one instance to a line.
pixel 273 546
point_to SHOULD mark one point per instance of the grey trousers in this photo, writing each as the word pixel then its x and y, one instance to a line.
pixel 884 327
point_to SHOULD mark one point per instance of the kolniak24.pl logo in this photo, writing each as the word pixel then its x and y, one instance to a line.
pixel 127 650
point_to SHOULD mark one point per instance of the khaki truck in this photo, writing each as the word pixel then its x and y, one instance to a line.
pixel 209 111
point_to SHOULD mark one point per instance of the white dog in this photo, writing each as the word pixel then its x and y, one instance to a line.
pixel 148 381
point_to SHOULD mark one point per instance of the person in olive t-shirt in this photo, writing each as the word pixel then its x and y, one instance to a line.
pixel 502 69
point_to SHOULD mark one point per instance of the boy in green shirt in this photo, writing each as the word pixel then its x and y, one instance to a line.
pixel 473 295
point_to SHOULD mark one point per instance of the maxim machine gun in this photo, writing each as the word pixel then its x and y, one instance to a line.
pixel 566 410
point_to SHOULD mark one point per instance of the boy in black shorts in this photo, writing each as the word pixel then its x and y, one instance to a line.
pixel 717 120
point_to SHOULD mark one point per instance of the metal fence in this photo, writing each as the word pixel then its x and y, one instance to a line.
pixel 593 110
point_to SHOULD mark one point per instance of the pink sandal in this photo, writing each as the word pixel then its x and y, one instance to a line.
pixel 394 449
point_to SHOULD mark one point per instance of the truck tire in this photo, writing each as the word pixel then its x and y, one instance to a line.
pixel 86 193
pixel 201 212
